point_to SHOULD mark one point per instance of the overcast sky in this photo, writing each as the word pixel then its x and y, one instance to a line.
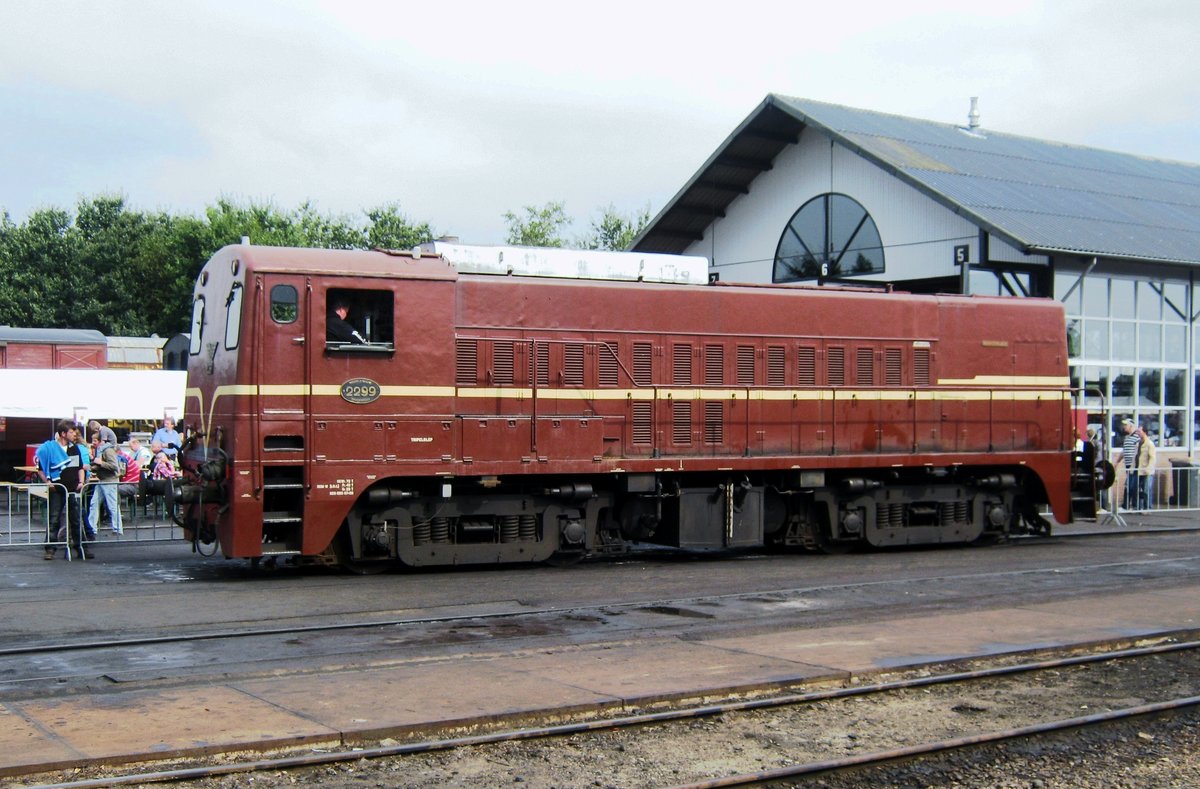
pixel 462 111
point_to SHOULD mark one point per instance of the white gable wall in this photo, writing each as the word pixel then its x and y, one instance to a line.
pixel 918 234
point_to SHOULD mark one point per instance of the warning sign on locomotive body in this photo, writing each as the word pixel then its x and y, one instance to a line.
pixel 372 408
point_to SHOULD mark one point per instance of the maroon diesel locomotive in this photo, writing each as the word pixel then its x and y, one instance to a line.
pixel 369 408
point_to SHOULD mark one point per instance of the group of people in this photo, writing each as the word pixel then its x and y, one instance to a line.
pixel 1139 457
pixel 67 464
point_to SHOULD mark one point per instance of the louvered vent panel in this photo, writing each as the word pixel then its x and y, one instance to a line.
pixel 681 364
pixel 643 423
pixel 643 363
pixel 806 366
pixel 714 365
pixel 573 364
pixel 776 366
pixel 540 374
pixel 921 366
pixel 502 362
pixel 745 365
pixel 893 367
pixel 681 428
pixel 610 370
pixel 837 366
pixel 714 422
pixel 466 362
pixel 865 365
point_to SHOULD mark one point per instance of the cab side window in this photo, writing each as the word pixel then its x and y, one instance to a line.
pixel 359 321
pixel 284 304
pixel 197 334
pixel 233 317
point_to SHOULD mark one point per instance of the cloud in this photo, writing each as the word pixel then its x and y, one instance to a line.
pixel 462 111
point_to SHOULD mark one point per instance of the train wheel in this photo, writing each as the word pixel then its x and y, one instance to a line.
pixel 820 537
pixel 346 560
pixel 565 558
pixel 832 547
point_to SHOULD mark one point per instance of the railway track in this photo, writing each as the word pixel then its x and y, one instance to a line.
pixel 934 749
pixel 398 630
pixel 52 666
pixel 1059 682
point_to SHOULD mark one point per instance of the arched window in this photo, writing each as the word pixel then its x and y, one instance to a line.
pixel 830 236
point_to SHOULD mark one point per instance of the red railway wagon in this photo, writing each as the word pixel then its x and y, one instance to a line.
pixel 503 418
pixel 40 349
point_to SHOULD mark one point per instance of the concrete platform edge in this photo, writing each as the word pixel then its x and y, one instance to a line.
pixel 350 737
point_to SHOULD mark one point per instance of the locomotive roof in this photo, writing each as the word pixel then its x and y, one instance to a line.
pixel 388 264
pixel 573 263
pixel 355 262
pixel 785 289
pixel 449 261
pixel 1041 196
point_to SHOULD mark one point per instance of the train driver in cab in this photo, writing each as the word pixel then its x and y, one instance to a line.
pixel 337 328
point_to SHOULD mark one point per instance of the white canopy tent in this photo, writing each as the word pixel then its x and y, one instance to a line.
pixel 92 394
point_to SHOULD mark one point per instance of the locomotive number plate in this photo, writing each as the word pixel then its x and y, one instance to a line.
pixel 360 390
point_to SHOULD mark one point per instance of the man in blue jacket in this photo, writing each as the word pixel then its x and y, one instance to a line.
pixel 63 466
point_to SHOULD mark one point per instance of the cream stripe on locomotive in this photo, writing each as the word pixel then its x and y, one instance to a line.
pixel 660 393
pixel 674 393
pixel 668 394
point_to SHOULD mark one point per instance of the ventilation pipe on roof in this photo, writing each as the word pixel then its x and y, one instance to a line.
pixel 973 115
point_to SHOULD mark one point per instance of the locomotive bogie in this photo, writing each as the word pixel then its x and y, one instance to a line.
pixel 485 528
pixel 696 513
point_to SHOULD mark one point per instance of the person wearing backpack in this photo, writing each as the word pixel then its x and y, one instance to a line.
pixel 107 470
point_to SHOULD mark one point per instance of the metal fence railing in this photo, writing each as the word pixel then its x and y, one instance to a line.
pixel 1174 488
pixel 26 515
pixel 109 512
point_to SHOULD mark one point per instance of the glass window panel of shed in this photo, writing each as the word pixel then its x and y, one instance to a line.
pixel 1068 288
pixel 1141 349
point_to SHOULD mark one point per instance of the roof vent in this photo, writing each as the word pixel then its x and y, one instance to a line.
pixel 973 115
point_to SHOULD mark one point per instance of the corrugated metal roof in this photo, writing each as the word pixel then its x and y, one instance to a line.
pixel 1041 196
pixel 135 351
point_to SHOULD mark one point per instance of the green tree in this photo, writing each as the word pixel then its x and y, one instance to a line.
pixel 326 232
pixel 615 231
pixel 109 238
pixel 163 271
pixel 539 227
pixel 36 255
pixel 262 223
pixel 390 229
pixel 126 272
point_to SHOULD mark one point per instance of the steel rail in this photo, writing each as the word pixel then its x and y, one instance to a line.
pixel 75 646
pixel 943 746
pixel 562 730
